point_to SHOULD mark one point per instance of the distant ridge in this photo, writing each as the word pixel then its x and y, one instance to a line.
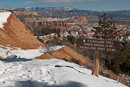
pixel 120 16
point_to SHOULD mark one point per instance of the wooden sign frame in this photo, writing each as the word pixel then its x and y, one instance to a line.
pixel 98 45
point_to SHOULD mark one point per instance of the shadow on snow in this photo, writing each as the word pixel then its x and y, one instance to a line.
pixel 30 83
pixel 70 67
pixel 14 59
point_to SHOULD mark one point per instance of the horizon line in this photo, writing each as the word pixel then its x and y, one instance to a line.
pixel 65 6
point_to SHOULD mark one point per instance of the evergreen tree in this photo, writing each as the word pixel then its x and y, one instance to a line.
pixel 106 28
pixel 119 62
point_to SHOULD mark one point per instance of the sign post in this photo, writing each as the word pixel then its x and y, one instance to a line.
pixel 97 45
pixel 96 64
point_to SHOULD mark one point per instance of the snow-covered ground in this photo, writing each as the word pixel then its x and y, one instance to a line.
pixel 3 18
pixel 28 54
pixel 20 69
pixel 50 73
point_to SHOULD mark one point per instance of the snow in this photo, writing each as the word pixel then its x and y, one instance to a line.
pixel 28 54
pixel 26 71
pixel 52 34
pixel 50 73
pixel 57 19
pixel 3 18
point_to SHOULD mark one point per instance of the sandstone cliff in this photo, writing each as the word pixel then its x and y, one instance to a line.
pixel 17 34
pixel 56 21
pixel 26 13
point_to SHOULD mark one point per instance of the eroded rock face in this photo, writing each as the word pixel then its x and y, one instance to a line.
pixel 55 22
pixel 47 23
pixel 82 19
pixel 26 13
pixel 17 34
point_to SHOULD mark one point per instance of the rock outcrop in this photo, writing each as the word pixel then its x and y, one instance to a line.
pixel 56 22
pixel 26 13
pixel 82 19
pixel 17 34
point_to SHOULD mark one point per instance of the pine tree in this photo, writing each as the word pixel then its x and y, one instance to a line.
pixel 106 28
pixel 119 62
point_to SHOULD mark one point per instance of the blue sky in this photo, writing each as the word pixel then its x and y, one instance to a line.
pixel 98 5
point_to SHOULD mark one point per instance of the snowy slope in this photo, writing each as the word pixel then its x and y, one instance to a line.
pixel 18 68
pixel 3 18
pixel 49 73
pixel 28 54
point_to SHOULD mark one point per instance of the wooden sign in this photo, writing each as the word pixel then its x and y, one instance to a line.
pixel 98 45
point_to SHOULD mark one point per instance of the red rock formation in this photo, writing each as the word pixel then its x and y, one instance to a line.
pixel 82 19
pixel 62 23
pixel 26 13
pixel 45 56
pixel 17 34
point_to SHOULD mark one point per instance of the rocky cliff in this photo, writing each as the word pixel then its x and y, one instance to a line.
pixel 26 13
pixel 56 22
pixel 17 34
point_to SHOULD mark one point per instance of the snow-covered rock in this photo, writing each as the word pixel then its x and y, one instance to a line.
pixel 3 18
